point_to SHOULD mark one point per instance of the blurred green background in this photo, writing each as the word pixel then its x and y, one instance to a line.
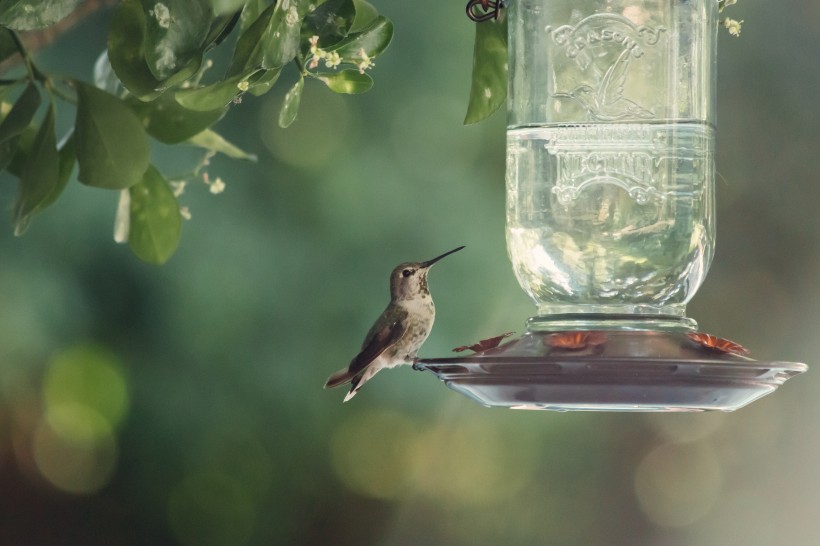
pixel 183 404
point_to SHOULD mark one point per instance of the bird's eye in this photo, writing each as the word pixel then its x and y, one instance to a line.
pixel 406 272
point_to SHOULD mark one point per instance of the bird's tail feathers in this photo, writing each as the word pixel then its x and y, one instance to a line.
pixel 350 394
pixel 357 382
pixel 341 377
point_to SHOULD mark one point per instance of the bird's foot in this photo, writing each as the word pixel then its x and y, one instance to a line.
pixel 417 366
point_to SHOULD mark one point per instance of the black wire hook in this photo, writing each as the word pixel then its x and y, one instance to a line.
pixel 484 10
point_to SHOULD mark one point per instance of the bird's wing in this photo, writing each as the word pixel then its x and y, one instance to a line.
pixel 612 84
pixel 383 334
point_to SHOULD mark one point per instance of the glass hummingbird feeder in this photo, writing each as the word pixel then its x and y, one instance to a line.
pixel 610 214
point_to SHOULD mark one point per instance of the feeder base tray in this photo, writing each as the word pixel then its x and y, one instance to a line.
pixel 611 371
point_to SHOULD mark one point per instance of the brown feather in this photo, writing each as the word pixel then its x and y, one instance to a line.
pixel 341 377
pixel 375 344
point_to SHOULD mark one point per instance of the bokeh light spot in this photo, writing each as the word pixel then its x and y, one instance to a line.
pixel 86 376
pixel 686 427
pixel 86 397
pixel 211 509
pixel 677 484
pixel 370 453
pixel 78 423
pixel 80 467
pixel 472 463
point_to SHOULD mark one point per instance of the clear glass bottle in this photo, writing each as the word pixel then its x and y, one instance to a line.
pixel 610 155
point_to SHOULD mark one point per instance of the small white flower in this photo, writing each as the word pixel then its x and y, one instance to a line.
pixel 243 85
pixel 366 62
pixel 732 26
pixel 185 213
pixel 317 52
pixel 217 186
pixel 178 186
pixel 333 60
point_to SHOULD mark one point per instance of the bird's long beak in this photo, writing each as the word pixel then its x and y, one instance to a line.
pixel 428 263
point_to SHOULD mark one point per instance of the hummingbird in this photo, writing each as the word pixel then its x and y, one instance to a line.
pixel 399 332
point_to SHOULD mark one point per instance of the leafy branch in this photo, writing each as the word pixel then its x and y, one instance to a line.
pixel 155 80
pixel 148 84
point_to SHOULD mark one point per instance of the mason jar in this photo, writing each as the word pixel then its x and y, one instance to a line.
pixel 610 154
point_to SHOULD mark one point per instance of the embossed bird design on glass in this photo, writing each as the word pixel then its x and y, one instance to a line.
pixel 606 101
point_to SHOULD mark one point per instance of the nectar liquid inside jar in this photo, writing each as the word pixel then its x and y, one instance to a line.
pixel 614 217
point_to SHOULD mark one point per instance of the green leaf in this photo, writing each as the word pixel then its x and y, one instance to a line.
pixel 290 105
pixel 221 7
pixel 8 149
pixel 155 222
pixel 68 158
pixel 21 145
pixel 250 13
pixel 349 81
pixel 112 147
pixel 489 83
pixel 169 122
pixel 281 39
pixel 210 140
pixel 374 39
pixel 262 81
pixel 21 114
pixel 211 97
pixel 221 28
pixel 39 175
pixel 366 13
pixel 175 34
pixel 5 87
pixel 330 21
pixel 127 54
pixel 28 15
pixel 7 45
pixel 33 164
pixel 249 48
